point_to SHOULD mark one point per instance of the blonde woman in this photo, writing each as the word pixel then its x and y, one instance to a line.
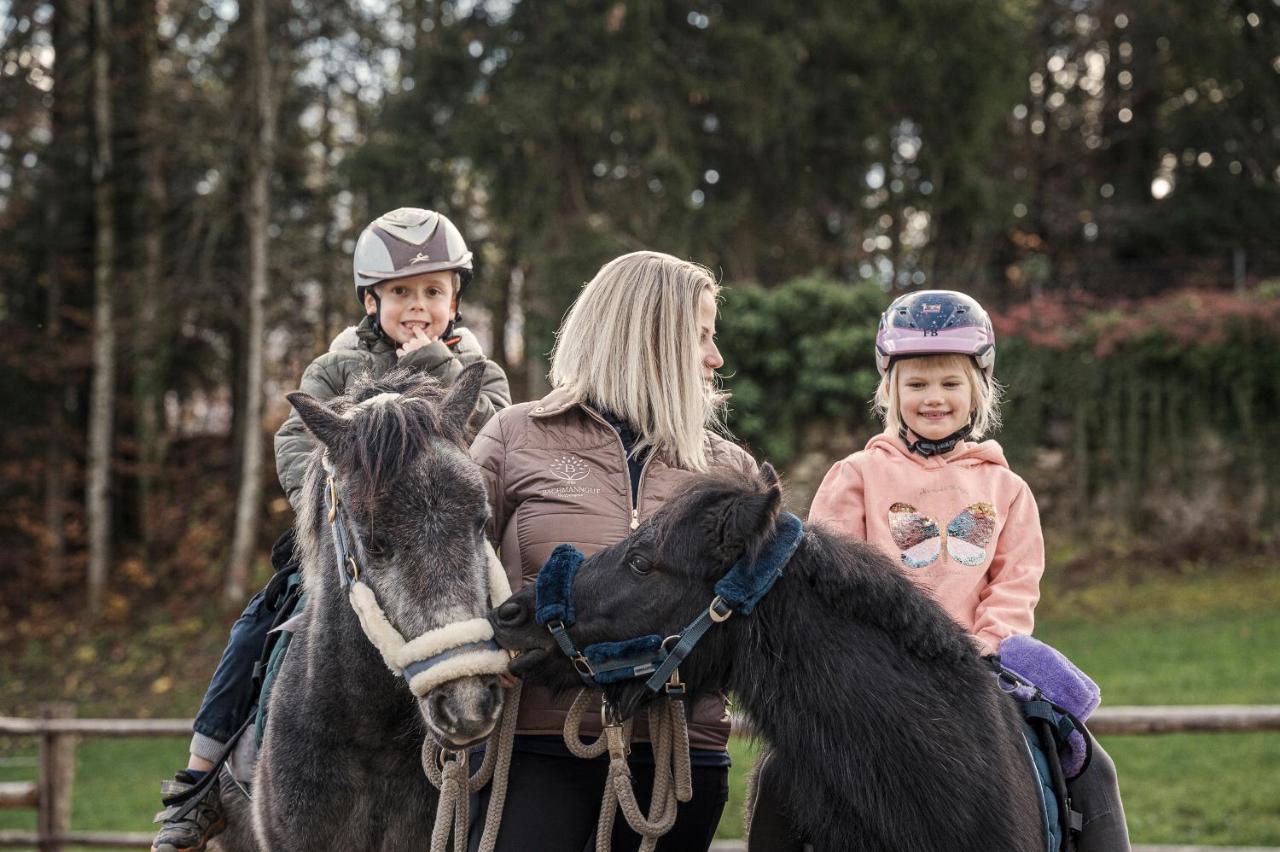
pixel 629 420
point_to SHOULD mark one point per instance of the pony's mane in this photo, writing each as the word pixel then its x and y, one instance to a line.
pixel 385 435
pixel 850 576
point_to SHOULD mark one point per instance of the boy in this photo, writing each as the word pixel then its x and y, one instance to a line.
pixel 410 267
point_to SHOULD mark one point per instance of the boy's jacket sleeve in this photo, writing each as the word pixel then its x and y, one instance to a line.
pixel 325 378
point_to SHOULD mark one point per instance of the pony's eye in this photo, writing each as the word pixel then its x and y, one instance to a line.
pixel 639 565
pixel 376 547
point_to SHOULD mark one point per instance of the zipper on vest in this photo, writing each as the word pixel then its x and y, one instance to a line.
pixel 633 499
pixel 635 508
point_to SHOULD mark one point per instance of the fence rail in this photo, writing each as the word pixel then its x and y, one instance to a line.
pixel 58 732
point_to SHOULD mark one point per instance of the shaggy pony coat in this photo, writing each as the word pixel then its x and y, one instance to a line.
pixel 888 731
pixel 340 766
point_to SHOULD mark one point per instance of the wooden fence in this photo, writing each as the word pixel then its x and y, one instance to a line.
pixel 58 731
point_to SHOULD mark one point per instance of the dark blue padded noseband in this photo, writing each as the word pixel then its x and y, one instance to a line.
pixel 739 590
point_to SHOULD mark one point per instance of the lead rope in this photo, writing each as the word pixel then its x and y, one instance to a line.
pixel 672 778
pixel 448 771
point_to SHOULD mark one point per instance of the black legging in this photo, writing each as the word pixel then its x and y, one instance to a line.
pixel 553 804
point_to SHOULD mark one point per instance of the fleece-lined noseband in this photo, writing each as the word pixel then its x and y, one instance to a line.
pixel 460 649
pixel 739 590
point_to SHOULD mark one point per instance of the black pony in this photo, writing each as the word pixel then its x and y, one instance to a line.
pixel 887 730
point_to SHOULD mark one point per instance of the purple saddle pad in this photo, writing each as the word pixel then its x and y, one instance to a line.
pixel 1061 682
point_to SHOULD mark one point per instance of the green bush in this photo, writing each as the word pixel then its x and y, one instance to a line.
pixel 799 353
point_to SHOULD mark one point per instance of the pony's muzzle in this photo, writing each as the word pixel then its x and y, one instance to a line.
pixel 463 712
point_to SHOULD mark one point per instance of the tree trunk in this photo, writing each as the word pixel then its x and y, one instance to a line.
pixel 102 394
pixel 259 159
pixel 151 351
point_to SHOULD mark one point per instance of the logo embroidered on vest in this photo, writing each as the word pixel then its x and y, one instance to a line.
pixel 570 468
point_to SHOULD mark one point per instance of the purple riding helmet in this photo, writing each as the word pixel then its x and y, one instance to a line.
pixel 936 322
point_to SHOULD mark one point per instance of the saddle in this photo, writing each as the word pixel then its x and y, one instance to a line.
pixel 1055 697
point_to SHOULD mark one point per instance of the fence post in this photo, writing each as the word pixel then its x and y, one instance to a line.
pixel 57 775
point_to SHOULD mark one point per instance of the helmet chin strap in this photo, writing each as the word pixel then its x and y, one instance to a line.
pixel 925 447
pixel 377 314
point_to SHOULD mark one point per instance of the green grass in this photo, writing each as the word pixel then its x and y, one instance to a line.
pixel 1194 638
pixel 117 782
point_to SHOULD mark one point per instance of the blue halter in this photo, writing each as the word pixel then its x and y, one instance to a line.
pixel 739 590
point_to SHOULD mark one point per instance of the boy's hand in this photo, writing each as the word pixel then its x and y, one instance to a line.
pixel 419 340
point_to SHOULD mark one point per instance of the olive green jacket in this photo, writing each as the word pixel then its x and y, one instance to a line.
pixel 358 349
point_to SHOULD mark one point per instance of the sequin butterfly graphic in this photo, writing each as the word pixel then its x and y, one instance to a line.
pixel 966 537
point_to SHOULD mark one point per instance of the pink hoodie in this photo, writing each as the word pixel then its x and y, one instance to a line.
pixel 964 527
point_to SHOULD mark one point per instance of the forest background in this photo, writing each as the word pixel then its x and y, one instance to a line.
pixel 182 182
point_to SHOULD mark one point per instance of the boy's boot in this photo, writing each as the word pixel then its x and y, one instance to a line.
pixel 188 829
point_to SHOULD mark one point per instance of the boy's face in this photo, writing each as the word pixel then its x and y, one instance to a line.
pixel 935 400
pixel 415 308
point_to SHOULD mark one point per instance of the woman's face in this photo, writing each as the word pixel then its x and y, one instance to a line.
pixel 711 360
pixel 935 400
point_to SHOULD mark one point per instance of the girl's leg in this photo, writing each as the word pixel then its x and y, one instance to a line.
pixel 1096 794
pixel 771 829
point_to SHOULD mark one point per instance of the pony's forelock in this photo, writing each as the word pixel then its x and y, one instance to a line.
pixel 392 419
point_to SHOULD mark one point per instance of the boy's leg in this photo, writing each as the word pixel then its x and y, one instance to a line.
pixel 1096 794
pixel 225 706
pixel 229 699
pixel 223 711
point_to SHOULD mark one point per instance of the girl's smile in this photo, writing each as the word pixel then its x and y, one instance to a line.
pixel 935 401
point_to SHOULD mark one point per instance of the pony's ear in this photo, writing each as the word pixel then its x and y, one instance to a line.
pixel 747 519
pixel 328 427
pixel 769 476
pixel 458 404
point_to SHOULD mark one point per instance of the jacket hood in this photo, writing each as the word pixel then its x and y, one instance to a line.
pixel 966 453
pixel 357 336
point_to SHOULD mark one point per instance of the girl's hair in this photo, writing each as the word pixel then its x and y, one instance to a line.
pixel 986 394
pixel 631 343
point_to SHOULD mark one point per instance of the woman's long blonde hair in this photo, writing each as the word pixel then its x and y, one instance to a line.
pixel 631 343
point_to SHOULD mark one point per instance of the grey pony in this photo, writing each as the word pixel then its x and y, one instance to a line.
pixel 340 766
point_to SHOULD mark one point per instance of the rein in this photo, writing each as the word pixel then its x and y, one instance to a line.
pixel 460 649
pixel 738 591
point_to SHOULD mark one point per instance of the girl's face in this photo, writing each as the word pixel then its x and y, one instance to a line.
pixel 935 400
pixel 415 307
pixel 711 360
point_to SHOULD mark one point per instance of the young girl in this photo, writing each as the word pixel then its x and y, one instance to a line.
pixel 945 504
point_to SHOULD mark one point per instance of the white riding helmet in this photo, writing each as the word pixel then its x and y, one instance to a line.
pixel 409 241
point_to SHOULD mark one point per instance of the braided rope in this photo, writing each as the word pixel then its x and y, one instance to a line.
pixel 672 774
pixel 448 770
